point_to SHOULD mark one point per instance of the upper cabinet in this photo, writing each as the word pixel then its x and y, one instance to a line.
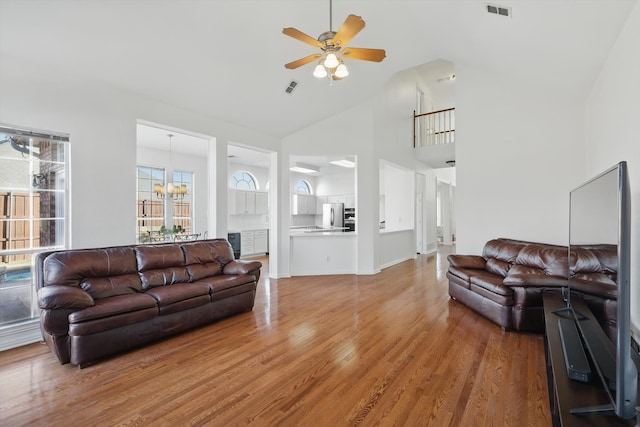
pixel 242 202
pixel 304 204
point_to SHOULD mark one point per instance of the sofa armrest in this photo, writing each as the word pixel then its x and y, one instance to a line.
pixel 467 261
pixel 535 281
pixel 241 266
pixel 63 297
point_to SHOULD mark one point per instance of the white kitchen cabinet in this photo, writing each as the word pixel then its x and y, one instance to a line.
pixel 254 242
pixel 349 200
pixel 261 241
pixel 243 202
pixel 262 203
pixel 339 198
pixel 247 242
pixel 320 200
pixel 304 204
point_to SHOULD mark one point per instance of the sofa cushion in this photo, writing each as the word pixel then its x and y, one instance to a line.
pixel 72 268
pixel 207 251
pixel 226 285
pixel 490 282
pixel 546 259
pixel 161 265
pixel 149 257
pixel 178 297
pixel 104 287
pixel 163 277
pixel 200 271
pixel 113 312
pixel 497 267
pixel 502 249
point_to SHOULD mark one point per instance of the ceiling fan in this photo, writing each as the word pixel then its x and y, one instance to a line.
pixel 333 46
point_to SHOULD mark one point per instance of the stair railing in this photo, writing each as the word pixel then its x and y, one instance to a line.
pixel 434 128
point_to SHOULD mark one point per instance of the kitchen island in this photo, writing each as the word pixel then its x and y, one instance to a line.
pixel 320 251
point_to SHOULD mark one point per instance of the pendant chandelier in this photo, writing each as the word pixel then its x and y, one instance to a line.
pixel 174 191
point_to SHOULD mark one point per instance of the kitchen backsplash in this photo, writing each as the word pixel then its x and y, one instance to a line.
pixel 248 222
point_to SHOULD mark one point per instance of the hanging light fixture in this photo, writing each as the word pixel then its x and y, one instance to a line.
pixel 175 191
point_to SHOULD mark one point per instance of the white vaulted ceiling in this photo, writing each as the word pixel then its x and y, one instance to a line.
pixel 226 58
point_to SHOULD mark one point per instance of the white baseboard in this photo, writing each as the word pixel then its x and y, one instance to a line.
pixel 20 334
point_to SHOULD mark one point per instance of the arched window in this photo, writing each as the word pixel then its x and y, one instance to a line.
pixel 302 187
pixel 243 180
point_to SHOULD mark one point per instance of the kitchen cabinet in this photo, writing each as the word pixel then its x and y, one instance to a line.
pixel 320 200
pixel 262 203
pixel 339 198
pixel 261 241
pixel 248 202
pixel 304 204
pixel 247 243
pixel 349 201
pixel 254 242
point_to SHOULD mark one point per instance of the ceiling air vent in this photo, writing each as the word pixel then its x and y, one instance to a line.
pixel 498 10
pixel 291 87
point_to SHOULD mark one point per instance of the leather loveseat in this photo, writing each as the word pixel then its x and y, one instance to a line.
pixel 98 302
pixel 506 283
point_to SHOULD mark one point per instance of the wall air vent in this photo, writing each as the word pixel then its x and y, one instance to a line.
pixel 498 10
pixel 291 87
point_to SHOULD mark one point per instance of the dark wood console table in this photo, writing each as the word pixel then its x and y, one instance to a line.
pixel 566 394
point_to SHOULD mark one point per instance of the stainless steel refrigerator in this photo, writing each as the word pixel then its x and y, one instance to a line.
pixel 333 215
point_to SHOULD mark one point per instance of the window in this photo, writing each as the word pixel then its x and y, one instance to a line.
pixel 150 216
pixel 243 180
pixel 302 187
pixel 32 212
pixel 183 207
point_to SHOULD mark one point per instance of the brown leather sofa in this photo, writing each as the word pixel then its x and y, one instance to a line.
pixel 506 283
pixel 98 302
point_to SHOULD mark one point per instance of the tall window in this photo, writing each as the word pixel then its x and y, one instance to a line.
pixel 302 187
pixel 243 180
pixel 32 212
pixel 150 216
pixel 183 207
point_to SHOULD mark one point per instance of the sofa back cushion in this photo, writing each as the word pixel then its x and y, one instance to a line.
pixel 207 258
pixel 100 272
pixel 160 265
pixel 500 255
pixel 597 263
pixel 537 258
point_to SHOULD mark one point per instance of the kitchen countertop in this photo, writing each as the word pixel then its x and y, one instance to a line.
pixel 316 231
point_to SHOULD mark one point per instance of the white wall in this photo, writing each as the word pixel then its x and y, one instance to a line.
pixel 612 128
pixel 102 123
pixel 519 149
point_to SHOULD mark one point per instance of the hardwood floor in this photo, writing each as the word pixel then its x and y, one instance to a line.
pixel 389 349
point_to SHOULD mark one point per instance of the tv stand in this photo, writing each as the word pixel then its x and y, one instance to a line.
pixel 564 393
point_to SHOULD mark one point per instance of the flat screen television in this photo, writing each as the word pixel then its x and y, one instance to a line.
pixel 600 217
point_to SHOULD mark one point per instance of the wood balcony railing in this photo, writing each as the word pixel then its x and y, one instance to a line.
pixel 434 128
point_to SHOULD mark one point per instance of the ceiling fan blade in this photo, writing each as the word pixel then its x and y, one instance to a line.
pixel 302 61
pixel 349 29
pixel 364 54
pixel 299 35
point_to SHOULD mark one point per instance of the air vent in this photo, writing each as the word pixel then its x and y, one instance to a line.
pixel 498 10
pixel 291 87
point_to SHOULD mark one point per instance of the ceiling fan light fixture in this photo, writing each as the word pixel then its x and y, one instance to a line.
pixel 341 71
pixel 320 72
pixel 331 61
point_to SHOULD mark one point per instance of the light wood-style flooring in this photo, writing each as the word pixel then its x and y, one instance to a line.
pixel 390 349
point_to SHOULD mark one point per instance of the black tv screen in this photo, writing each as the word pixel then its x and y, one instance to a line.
pixel 600 220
